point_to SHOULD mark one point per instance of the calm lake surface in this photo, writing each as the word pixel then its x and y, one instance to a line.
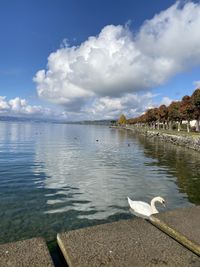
pixel 56 177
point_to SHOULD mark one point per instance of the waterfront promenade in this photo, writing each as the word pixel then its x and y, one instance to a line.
pixel 170 238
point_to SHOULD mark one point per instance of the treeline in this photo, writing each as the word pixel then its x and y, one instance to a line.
pixel 172 116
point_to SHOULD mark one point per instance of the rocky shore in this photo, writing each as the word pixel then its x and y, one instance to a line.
pixel 192 142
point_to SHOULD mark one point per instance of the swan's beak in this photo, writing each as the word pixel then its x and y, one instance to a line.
pixel 164 203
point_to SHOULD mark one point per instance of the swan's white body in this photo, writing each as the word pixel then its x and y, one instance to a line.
pixel 143 209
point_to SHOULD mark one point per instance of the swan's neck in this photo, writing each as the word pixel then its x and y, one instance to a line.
pixel 153 207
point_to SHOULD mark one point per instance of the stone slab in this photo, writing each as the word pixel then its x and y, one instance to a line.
pixel 28 253
pixel 185 221
pixel 125 243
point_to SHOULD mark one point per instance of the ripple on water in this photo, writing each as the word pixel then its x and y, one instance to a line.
pixel 56 178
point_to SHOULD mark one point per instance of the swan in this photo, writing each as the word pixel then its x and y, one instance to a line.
pixel 143 209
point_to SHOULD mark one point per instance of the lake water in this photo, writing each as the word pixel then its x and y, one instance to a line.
pixel 56 177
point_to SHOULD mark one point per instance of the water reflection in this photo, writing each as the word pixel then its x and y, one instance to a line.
pixel 103 173
pixel 57 177
pixel 85 165
pixel 179 162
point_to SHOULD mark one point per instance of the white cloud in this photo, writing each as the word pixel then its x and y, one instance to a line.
pixel 166 101
pixel 20 107
pixel 97 75
pixel 196 84
pixel 4 106
pixel 109 107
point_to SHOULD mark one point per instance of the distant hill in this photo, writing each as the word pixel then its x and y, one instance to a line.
pixel 24 119
pixel 28 119
pixel 93 122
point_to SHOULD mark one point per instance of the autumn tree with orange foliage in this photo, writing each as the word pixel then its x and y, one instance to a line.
pixel 186 110
pixel 195 98
pixel 163 115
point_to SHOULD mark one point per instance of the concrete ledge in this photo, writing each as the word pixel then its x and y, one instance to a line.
pixel 181 224
pixel 27 253
pixel 184 220
pixel 125 243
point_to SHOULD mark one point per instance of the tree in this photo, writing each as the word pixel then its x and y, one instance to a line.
pixel 122 120
pixel 195 98
pixel 163 114
pixel 174 113
pixel 152 116
pixel 142 119
pixel 187 110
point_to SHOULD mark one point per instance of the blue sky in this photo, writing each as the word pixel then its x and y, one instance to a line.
pixel 96 59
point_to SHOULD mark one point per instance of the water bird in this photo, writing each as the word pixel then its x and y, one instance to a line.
pixel 97 140
pixel 143 209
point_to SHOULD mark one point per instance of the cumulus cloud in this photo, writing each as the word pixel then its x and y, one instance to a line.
pixel 20 107
pixel 108 107
pixel 117 63
pixel 166 101
pixel 196 84
pixel 4 106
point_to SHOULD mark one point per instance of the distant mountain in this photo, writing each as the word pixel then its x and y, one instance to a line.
pixel 93 122
pixel 24 119
pixel 28 119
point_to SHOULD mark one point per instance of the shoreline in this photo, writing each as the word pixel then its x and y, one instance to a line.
pixel 180 139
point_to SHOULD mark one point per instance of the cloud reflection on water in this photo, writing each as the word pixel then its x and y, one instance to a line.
pixel 97 177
